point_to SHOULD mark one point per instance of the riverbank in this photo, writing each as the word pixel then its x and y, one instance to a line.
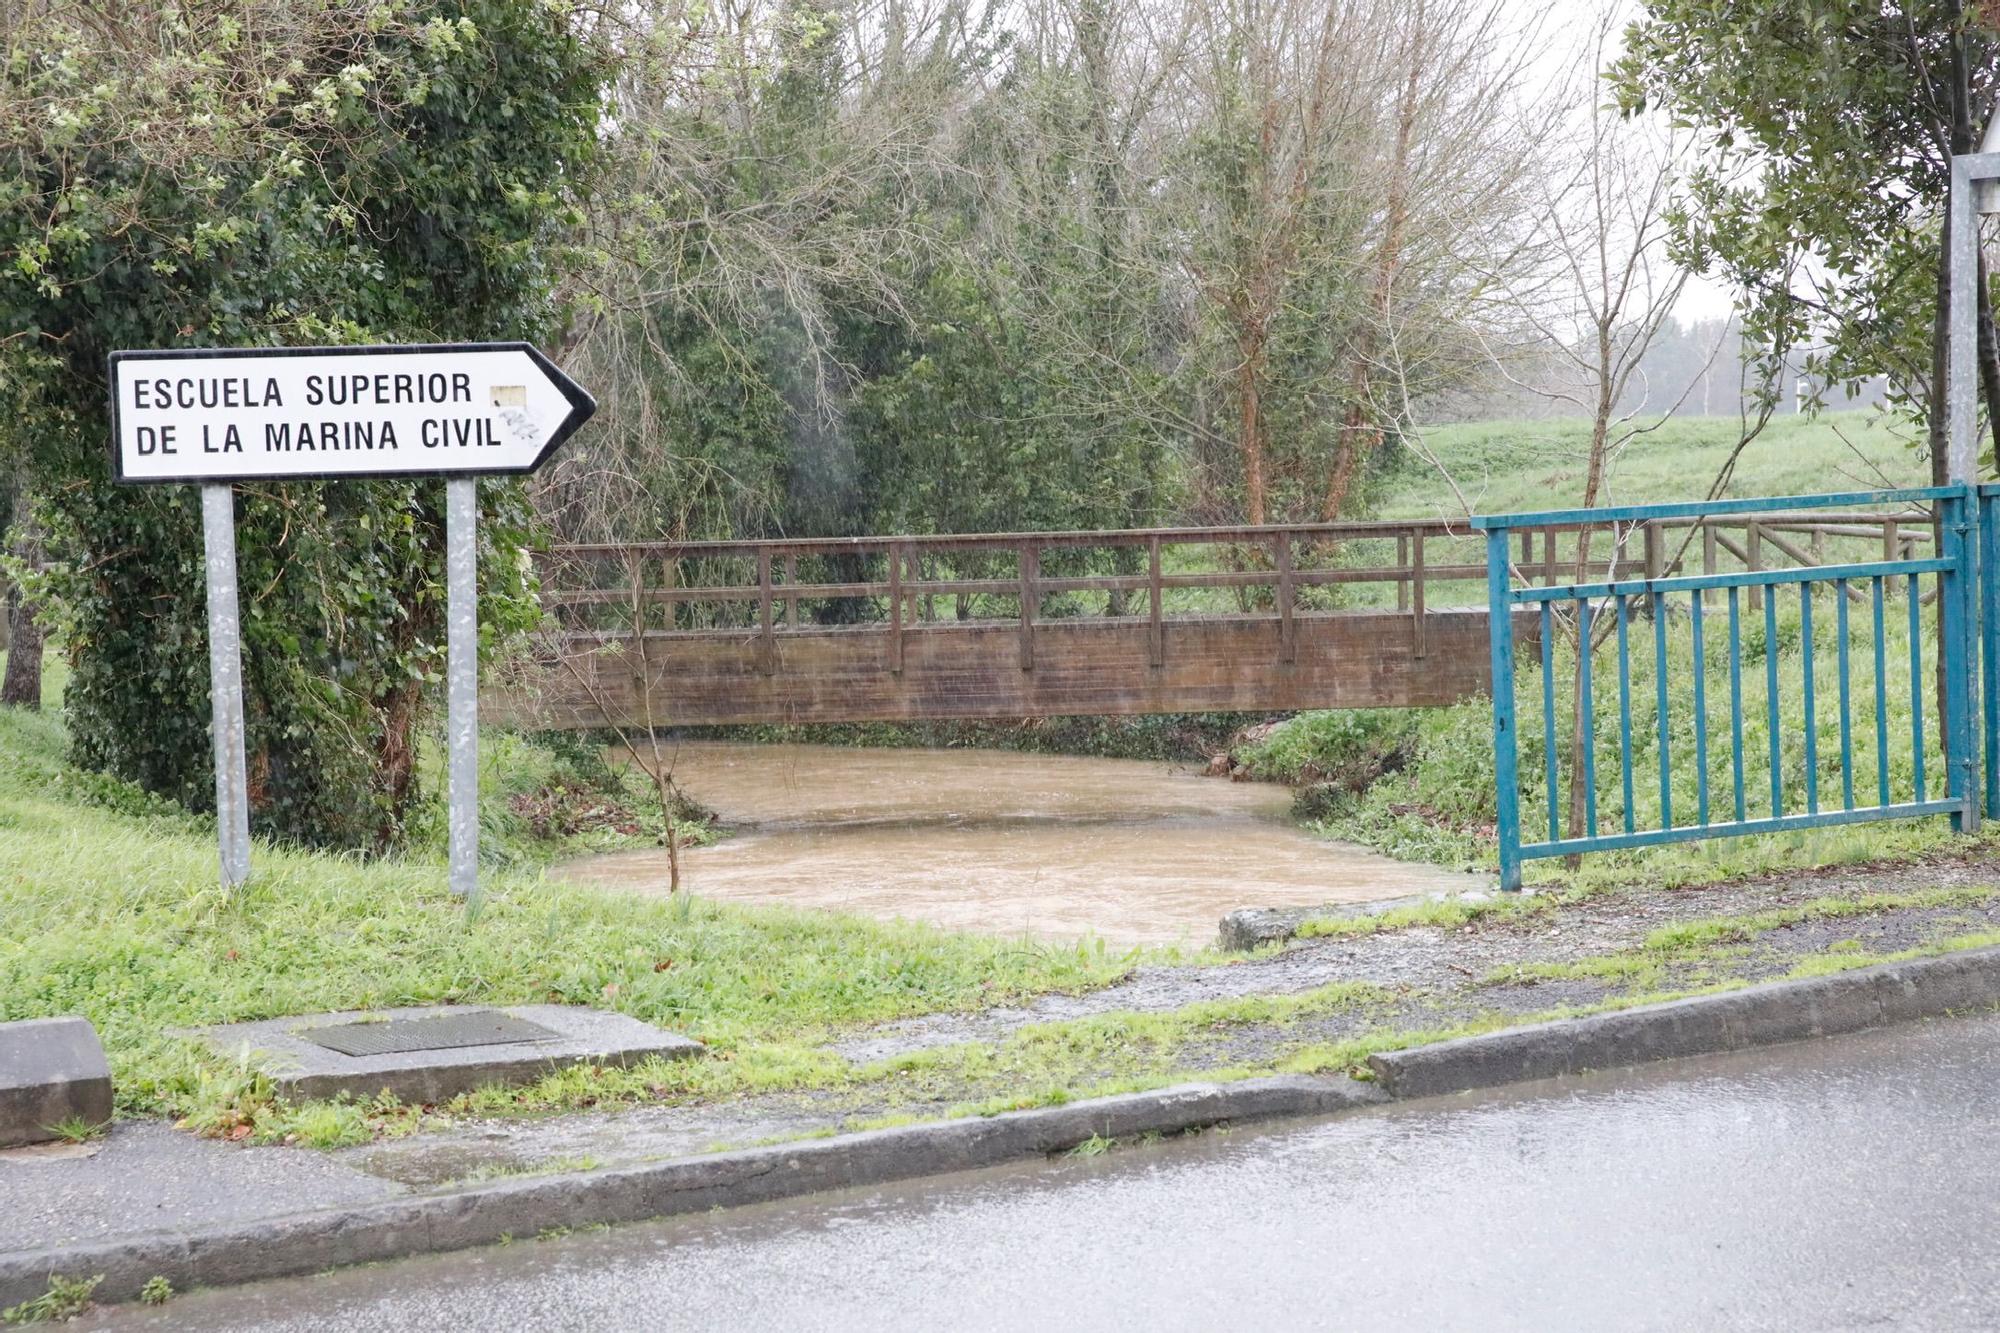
pixel 113 912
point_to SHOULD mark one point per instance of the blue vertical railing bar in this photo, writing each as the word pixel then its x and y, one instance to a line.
pixel 1771 703
pixel 1549 715
pixel 1916 689
pixel 1584 688
pixel 1506 778
pixel 1660 703
pixel 1958 614
pixel 1806 698
pixel 1881 699
pixel 1736 701
pixel 1625 709
pixel 1846 697
pixel 1966 564
pixel 1700 713
pixel 1989 640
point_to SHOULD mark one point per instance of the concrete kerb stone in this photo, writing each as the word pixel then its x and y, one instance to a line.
pixel 1703 1025
pixel 482 1214
pixel 52 1070
pixel 457 1219
pixel 1249 928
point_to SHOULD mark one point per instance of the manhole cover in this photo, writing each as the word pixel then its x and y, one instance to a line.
pixel 445 1032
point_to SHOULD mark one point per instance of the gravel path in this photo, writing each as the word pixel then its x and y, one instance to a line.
pixel 1428 958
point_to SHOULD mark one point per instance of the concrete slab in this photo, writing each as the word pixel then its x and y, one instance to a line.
pixel 52 1070
pixel 286 1049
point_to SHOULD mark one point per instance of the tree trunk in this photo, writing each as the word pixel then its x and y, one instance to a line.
pixel 1249 401
pixel 22 687
pixel 1593 486
pixel 1989 359
pixel 1360 436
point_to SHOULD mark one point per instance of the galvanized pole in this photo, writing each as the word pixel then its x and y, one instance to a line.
pixel 1962 340
pixel 462 686
pixel 1968 173
pixel 225 684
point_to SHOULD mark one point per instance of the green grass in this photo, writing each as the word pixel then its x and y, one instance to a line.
pixel 65 1299
pixel 1508 466
pixel 1419 783
pixel 113 911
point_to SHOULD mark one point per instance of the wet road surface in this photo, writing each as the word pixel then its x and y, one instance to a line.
pixel 1053 846
pixel 1845 1183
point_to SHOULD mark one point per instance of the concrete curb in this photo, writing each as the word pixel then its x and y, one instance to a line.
pixel 457 1219
pixel 1704 1025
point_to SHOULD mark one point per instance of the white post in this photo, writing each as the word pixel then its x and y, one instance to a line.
pixel 462 680
pixel 1962 340
pixel 225 684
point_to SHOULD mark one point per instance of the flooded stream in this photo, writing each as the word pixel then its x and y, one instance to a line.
pixel 1050 846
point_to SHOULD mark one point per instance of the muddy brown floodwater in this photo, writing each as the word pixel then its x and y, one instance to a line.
pixel 1049 846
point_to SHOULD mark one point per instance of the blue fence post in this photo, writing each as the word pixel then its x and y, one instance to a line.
pixel 1506 757
pixel 1956 597
pixel 1989 640
pixel 1967 567
pixel 1989 648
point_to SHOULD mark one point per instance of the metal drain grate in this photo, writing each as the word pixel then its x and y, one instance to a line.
pixel 445 1032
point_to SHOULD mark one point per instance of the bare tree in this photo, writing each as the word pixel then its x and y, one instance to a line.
pixel 1465 147
pixel 1608 290
pixel 1341 169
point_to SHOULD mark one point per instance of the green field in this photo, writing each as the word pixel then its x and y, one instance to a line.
pixel 1523 466
pixel 1513 466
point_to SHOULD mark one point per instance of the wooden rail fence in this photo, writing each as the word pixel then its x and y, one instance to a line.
pixel 1375 614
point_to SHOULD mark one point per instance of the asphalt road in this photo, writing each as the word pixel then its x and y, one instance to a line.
pixel 1846 1183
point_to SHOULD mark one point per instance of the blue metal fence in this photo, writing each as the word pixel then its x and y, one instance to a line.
pixel 1577 610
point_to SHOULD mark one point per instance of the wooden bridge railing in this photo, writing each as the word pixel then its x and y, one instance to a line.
pixel 1348 615
pixel 1274 573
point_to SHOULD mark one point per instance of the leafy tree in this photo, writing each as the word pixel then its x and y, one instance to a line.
pixel 1827 132
pixel 244 172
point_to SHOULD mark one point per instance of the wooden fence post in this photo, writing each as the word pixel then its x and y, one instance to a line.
pixel 1288 641
pixel 767 648
pixel 1031 568
pixel 1156 630
pixel 1417 593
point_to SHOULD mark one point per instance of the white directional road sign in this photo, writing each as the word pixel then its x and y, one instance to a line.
pixel 316 412
pixel 309 413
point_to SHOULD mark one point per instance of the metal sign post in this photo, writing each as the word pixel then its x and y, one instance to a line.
pixel 320 413
pixel 225 683
pixel 1972 195
pixel 461 539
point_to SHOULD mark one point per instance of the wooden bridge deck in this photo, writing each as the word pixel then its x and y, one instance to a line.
pixel 1354 615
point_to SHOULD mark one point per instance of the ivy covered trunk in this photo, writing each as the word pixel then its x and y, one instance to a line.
pixel 22 685
pixel 274 172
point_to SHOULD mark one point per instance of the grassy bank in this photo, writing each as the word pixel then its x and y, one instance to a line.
pixel 1419 783
pixel 112 911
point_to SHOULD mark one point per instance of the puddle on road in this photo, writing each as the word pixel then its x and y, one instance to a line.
pixel 1050 846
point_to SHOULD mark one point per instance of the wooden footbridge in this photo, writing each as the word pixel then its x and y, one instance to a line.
pixel 1043 624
